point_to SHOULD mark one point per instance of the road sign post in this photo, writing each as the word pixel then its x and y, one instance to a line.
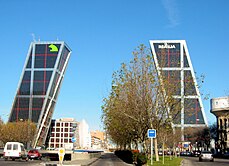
pixel 61 153
pixel 151 134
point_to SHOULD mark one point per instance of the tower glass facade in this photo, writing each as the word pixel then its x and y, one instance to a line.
pixel 173 64
pixel 39 86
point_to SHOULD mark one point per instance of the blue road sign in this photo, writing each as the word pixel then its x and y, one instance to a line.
pixel 73 139
pixel 151 133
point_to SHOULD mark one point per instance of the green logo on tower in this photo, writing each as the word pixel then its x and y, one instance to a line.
pixel 53 48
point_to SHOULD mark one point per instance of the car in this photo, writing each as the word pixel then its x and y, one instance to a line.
pixel 196 153
pixel 15 150
pixel 34 154
pixel 188 153
pixel 226 155
pixel 206 155
pixel 183 153
pixel 168 152
pixel 160 153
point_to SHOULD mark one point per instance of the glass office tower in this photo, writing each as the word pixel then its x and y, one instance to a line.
pixel 173 63
pixel 39 86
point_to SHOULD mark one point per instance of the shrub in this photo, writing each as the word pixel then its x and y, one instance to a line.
pixel 141 159
pixel 125 155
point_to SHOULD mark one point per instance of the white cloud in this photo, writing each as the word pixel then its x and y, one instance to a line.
pixel 172 12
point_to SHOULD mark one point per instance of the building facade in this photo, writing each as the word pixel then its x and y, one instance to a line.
pixel 39 86
pixel 173 63
pixel 63 133
pixel 84 135
pixel 220 108
pixel 98 134
pixel 98 139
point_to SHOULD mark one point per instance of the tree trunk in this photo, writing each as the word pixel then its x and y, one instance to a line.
pixel 156 149
pixel 174 151
pixel 144 146
pixel 163 148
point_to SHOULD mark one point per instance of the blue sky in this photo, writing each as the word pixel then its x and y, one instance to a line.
pixel 102 34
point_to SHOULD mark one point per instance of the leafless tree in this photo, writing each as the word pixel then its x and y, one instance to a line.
pixel 138 102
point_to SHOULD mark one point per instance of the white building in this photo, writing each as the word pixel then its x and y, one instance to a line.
pixel 84 135
pixel 63 133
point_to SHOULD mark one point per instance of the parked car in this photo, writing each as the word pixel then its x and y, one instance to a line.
pixel 168 152
pixel 226 155
pixel 206 155
pixel 160 153
pixel 196 153
pixel 34 154
pixel 185 153
pixel 15 150
pixel 188 153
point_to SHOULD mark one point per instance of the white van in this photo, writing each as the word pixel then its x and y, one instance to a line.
pixel 15 150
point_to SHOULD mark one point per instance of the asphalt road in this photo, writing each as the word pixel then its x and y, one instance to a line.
pixel 109 159
pixel 19 162
pixel 194 161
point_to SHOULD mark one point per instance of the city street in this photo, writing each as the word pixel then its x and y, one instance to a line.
pixel 194 161
pixel 19 162
pixel 109 159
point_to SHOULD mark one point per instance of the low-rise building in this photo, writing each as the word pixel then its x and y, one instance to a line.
pixel 98 139
pixel 63 133
pixel 96 143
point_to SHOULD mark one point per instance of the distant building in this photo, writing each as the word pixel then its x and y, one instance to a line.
pixel 98 134
pixel 173 63
pixel 63 133
pixel 84 135
pixel 98 139
pixel 39 86
pixel 220 108
pixel 96 143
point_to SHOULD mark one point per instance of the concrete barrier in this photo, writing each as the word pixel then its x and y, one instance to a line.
pixel 70 155
pixel 84 156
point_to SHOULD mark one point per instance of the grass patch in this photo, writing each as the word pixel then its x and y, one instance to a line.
pixel 168 162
